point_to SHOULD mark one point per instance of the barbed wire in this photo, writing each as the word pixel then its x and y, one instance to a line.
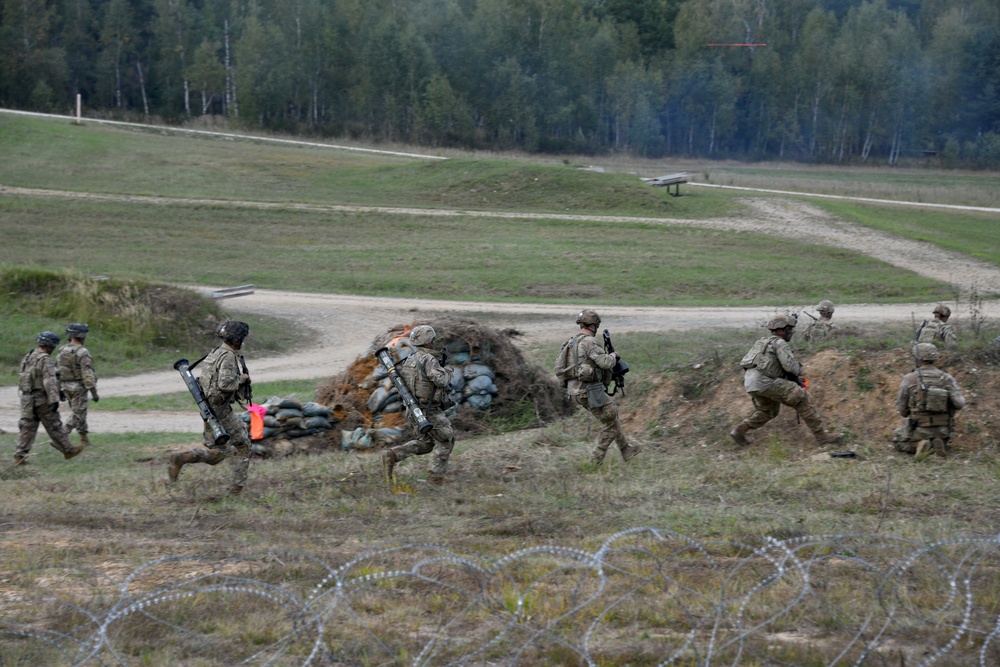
pixel 645 596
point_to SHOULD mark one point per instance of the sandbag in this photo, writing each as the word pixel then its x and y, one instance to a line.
pixel 478 370
pixel 479 401
pixel 290 403
pixel 289 413
pixel 312 409
pixel 317 423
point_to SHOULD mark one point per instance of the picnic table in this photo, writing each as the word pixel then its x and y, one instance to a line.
pixel 668 180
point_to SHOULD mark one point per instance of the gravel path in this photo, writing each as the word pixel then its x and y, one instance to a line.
pixel 345 325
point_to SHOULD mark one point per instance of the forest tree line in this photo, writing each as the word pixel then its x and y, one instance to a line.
pixel 836 81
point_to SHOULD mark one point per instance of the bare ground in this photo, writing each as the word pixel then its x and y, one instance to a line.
pixel 345 324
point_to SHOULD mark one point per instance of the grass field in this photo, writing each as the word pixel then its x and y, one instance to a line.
pixel 83 539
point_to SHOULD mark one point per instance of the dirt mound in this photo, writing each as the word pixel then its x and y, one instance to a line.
pixel 512 393
pixel 854 390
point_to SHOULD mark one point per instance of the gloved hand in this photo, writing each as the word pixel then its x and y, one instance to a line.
pixel 54 407
pixel 93 394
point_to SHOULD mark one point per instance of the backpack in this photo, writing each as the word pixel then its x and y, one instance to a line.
pixel 752 357
pixel 568 363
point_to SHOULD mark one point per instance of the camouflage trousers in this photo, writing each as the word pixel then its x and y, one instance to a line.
pixel 27 427
pixel 440 440
pixel 768 403
pixel 237 449
pixel 77 399
pixel 611 427
pixel 907 437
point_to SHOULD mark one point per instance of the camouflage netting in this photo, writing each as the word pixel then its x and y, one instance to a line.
pixel 494 386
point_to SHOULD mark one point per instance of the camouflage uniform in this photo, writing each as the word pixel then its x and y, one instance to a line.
pixel 39 391
pixel 823 327
pixel 937 330
pixel 222 381
pixel 772 380
pixel 585 369
pixel 77 380
pixel 928 413
pixel 428 381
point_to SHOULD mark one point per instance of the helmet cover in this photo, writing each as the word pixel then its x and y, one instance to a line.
pixel 422 335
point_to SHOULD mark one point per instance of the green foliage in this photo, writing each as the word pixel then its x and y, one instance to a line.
pixel 872 81
pixel 130 321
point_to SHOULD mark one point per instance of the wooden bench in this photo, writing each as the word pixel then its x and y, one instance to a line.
pixel 230 292
pixel 668 180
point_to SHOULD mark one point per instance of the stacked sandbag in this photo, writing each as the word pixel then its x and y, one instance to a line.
pixel 289 418
pixel 490 381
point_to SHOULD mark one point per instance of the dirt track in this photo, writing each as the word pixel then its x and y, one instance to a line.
pixel 345 325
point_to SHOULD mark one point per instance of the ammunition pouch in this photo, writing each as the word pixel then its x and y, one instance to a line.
pixel 930 419
pixel 597 396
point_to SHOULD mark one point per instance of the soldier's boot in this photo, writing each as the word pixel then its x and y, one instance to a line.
pixel 20 459
pixel 739 434
pixel 597 456
pixel 177 461
pixel 84 440
pixel 827 438
pixel 388 464
pixel 940 446
pixel 72 451
pixel 629 452
pixel 922 449
pixel 235 490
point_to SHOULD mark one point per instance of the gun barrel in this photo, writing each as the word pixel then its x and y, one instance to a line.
pixel 413 408
pixel 219 433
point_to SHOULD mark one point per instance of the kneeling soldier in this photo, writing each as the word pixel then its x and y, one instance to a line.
pixel 928 399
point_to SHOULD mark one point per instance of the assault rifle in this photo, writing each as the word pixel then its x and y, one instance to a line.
pixel 619 370
pixel 412 407
pixel 916 358
pixel 218 430
pixel 246 389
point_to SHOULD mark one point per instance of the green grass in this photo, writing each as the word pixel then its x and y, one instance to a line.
pixel 455 257
pixel 303 389
pixel 95 158
pixel 973 234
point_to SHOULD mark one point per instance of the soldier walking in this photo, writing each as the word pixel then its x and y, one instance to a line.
pixel 428 381
pixel 927 400
pixel 774 378
pixel 223 381
pixel 585 369
pixel 39 391
pixel 77 379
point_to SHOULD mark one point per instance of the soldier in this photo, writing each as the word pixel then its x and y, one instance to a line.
pixel 223 380
pixel 585 369
pixel 822 327
pixel 928 399
pixel 75 369
pixel 938 331
pixel 428 381
pixel 39 390
pixel 774 378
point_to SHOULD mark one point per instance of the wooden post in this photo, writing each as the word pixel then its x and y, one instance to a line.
pixel 78 108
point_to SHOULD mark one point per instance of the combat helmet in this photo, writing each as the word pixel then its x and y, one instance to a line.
pixel 47 338
pixel 825 306
pixel 779 322
pixel 422 335
pixel 588 317
pixel 926 351
pixel 234 332
pixel 942 310
pixel 77 330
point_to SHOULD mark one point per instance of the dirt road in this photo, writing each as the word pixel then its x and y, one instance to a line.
pixel 345 325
